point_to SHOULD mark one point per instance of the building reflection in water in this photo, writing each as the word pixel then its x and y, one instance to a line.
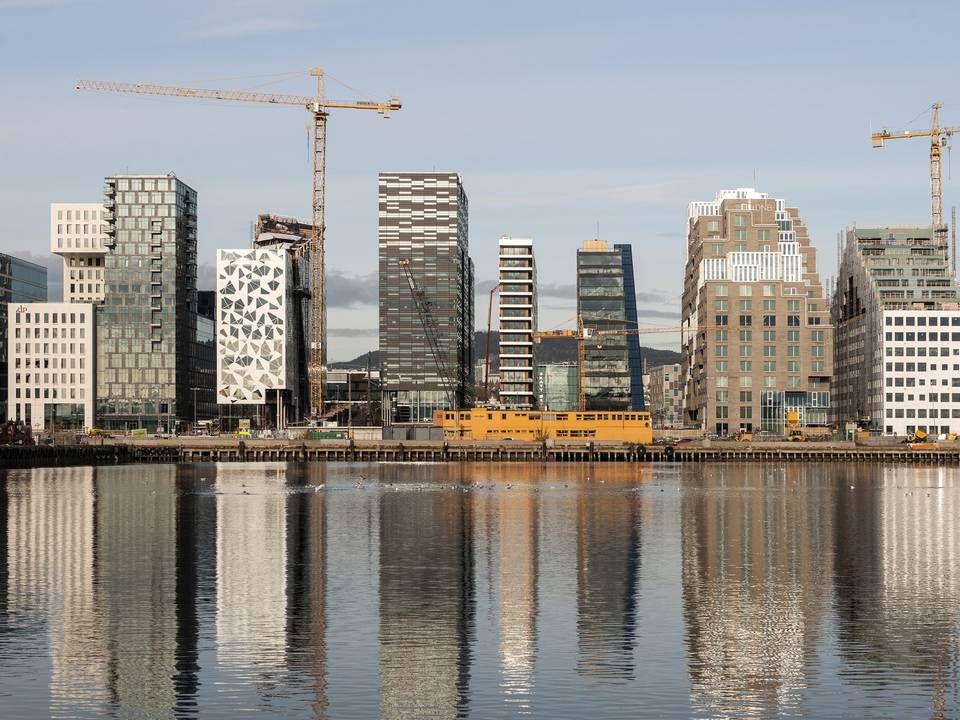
pixel 608 572
pixel 898 579
pixel 426 601
pixel 519 532
pixel 50 545
pixel 755 542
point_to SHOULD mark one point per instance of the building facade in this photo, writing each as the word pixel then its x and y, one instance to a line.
pixel 20 282
pixel 52 365
pixel 78 235
pixel 423 221
pixel 518 322
pixel 149 367
pixel 557 386
pixel 756 340
pixel 606 304
pixel 897 315
pixel 666 396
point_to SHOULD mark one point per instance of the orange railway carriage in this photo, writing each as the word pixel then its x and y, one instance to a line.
pixel 536 425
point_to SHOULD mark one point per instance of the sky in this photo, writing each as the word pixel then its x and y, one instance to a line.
pixel 564 119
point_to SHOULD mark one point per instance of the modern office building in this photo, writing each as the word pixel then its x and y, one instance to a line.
pixel 756 339
pixel 557 386
pixel 149 370
pixel 606 303
pixel 257 338
pixel 897 315
pixel 20 282
pixel 52 365
pixel 518 322
pixel 423 221
pixel 78 235
pixel 262 320
pixel 666 396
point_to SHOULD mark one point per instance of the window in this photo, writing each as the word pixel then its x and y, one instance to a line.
pixel 746 412
pixel 746 366
pixel 746 291
pixel 746 350
pixel 746 396
pixel 746 381
pixel 740 220
pixel 746 306
pixel 746 320
pixel 769 320
pixel 721 291
pixel 769 335
pixel 746 335
pixel 721 320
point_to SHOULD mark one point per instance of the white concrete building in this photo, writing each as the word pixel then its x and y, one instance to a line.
pixel 256 333
pixel 77 234
pixel 518 322
pixel 52 356
pixel 921 371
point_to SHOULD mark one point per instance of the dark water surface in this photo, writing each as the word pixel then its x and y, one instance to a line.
pixel 482 591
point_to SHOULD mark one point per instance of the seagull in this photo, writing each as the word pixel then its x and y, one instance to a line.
pixel 318 488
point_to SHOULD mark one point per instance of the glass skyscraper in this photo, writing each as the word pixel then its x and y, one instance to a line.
pixel 148 359
pixel 20 282
pixel 606 301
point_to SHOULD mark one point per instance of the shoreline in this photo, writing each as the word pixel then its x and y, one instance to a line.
pixel 220 449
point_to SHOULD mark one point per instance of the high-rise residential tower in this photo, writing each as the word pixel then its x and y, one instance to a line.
pixel 606 302
pixel 756 341
pixel 20 282
pixel 149 370
pixel 897 348
pixel 423 221
pixel 518 322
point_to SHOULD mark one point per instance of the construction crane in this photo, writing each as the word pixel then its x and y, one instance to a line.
pixel 432 333
pixel 318 106
pixel 939 139
pixel 486 355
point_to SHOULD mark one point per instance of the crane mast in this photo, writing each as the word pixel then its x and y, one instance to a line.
pixel 432 333
pixel 318 106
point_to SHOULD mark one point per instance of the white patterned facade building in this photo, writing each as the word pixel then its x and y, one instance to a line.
pixel 257 333
pixel 77 234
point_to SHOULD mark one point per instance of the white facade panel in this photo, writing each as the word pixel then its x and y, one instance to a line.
pixel 254 305
pixel 77 234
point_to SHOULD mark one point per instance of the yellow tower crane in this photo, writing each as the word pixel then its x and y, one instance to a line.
pixel 318 106
pixel 939 139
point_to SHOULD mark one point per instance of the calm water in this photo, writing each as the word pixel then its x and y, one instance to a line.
pixel 482 591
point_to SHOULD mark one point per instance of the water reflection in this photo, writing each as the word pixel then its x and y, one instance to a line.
pixel 479 591
pixel 754 550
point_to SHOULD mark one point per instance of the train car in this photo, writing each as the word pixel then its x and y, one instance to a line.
pixel 537 425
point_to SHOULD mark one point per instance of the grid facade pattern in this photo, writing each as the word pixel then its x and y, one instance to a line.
pixel 52 364
pixel 20 282
pixel 557 386
pixel 666 396
pixel 757 341
pixel 602 306
pixel 148 359
pixel 78 234
pixel 898 347
pixel 423 219
pixel 517 321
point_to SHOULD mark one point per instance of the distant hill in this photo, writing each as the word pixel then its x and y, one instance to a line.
pixel 560 350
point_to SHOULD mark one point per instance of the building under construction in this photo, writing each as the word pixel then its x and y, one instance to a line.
pixel 426 296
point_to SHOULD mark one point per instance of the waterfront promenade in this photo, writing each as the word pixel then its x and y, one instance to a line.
pixel 228 449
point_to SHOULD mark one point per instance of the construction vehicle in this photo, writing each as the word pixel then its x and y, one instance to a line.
pixel 794 433
pixel 743 436
pixel 432 333
pixel 939 139
pixel 318 106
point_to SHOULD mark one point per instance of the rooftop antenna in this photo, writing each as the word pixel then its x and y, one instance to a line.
pixel 953 240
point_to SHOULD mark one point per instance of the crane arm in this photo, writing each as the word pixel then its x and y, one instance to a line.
pixel 310 103
pixel 878 138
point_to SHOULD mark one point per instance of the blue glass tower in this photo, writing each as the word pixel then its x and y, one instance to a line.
pixel 634 361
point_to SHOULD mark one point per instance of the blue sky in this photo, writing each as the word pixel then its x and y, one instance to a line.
pixel 558 115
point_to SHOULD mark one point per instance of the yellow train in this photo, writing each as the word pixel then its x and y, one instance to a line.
pixel 536 425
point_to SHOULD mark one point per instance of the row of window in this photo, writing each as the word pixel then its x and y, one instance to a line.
pixel 918 367
pixel 47 348
pixel 910 351
pixel 769 366
pixel 933 397
pixel 82 229
pixel 769 381
pixel 47 334
pixel 26 378
pixel 922 413
pixel 76 215
pixel 52 393
pixel 26 317
pixel 767 291
pixel 816 351
pixel 922 321
pixel 914 382
pixel 816 336
pixel 768 320
pixel 921 337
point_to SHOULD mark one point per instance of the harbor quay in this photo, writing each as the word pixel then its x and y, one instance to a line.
pixel 224 449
